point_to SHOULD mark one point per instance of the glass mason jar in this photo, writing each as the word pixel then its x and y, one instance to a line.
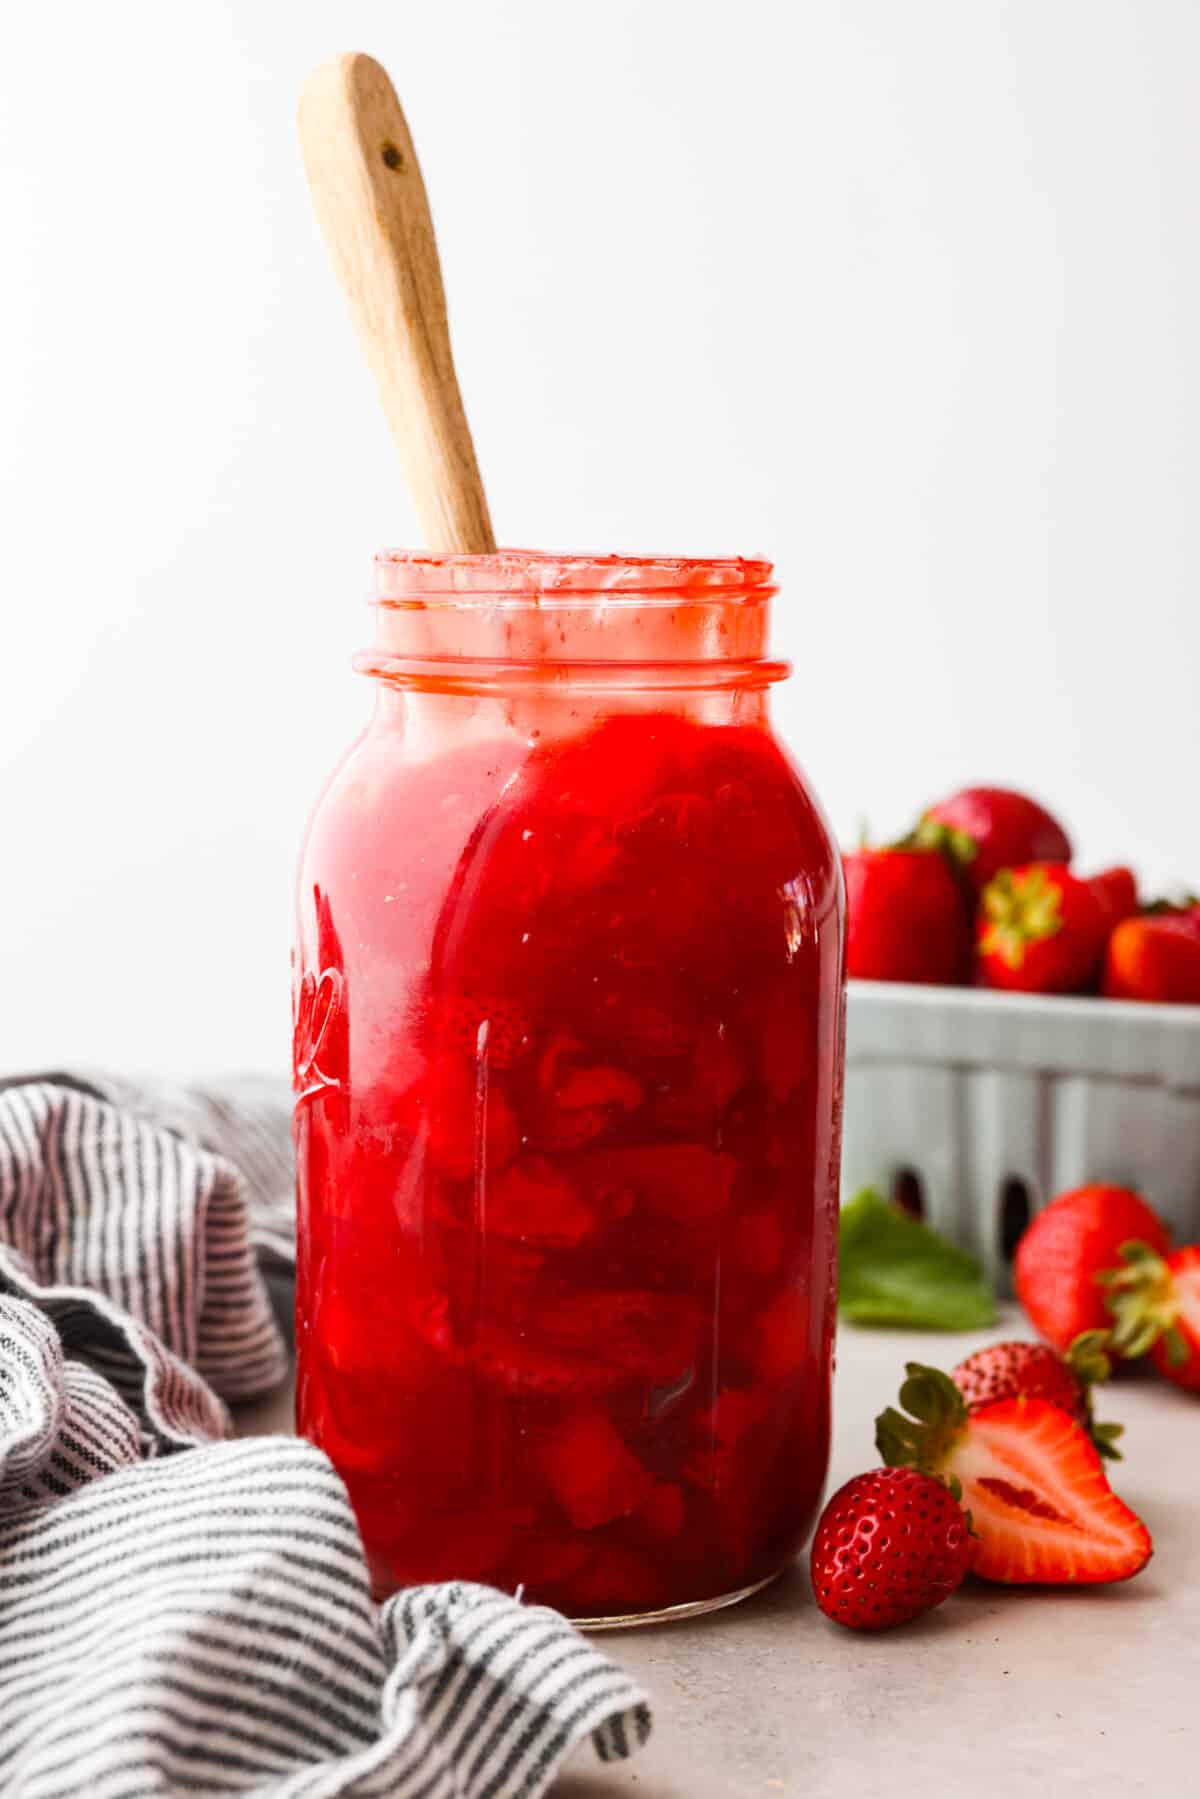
pixel 568 1055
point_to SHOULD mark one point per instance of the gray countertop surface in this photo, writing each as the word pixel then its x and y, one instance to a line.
pixel 997 1694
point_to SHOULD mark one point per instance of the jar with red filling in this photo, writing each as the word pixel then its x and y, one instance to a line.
pixel 568 1054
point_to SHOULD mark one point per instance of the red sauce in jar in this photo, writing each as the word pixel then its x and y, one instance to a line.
pixel 568 1049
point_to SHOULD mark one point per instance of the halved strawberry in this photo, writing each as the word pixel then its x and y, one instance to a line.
pixel 1155 1302
pixel 1032 1483
pixel 1034 1371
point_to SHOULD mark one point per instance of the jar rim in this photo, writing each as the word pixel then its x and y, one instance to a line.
pixel 525 576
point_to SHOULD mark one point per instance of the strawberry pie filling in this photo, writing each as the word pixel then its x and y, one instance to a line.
pixel 567 1048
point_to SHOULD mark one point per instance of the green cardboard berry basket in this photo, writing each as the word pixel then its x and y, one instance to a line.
pixel 976 1108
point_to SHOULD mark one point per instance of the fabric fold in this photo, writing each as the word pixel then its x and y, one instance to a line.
pixel 183 1613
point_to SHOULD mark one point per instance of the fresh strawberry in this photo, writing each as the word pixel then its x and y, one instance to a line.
pixel 1155 1303
pixel 906 917
pixel 1040 930
pixel 1116 889
pixel 1031 1482
pixel 1067 1247
pixel 1034 1371
pixel 1154 957
pixel 990 828
pixel 890 1545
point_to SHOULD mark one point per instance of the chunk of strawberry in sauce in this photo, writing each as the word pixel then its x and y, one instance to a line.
pixel 696 1099
pixel 685 1181
pixel 592 1342
pixel 615 1581
pixel 480 1028
pixel 673 821
pixel 574 1129
pixel 541 1557
pixel 532 1201
pixel 594 1475
pixel 598 1086
pixel 757 1242
pixel 780 1338
pixel 719 1434
pixel 621 768
pixel 410 1543
pixel 452 1115
pixel 788 1047
pixel 579 1101
pixel 662 1511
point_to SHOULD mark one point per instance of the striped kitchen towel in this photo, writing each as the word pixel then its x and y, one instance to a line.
pixel 201 1622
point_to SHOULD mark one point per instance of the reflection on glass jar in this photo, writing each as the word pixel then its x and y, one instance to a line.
pixel 568 1061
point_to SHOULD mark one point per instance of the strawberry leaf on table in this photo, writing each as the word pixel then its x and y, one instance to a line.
pixel 895 1271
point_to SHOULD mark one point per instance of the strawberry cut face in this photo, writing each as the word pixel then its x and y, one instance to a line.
pixel 1040 1505
pixel 1029 1477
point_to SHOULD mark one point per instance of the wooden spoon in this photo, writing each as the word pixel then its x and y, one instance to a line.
pixel 371 204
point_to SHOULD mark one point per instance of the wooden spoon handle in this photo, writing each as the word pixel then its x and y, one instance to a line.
pixel 371 204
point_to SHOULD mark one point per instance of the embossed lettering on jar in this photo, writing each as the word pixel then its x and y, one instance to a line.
pixel 569 995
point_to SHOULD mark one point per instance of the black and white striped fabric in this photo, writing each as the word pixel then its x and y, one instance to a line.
pixel 201 1622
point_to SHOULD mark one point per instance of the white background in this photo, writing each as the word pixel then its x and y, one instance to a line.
pixel 903 295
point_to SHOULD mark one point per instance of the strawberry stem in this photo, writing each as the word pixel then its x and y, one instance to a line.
pixel 937 1414
pixel 1142 1299
pixel 1020 909
pixel 931 834
pixel 1089 1361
